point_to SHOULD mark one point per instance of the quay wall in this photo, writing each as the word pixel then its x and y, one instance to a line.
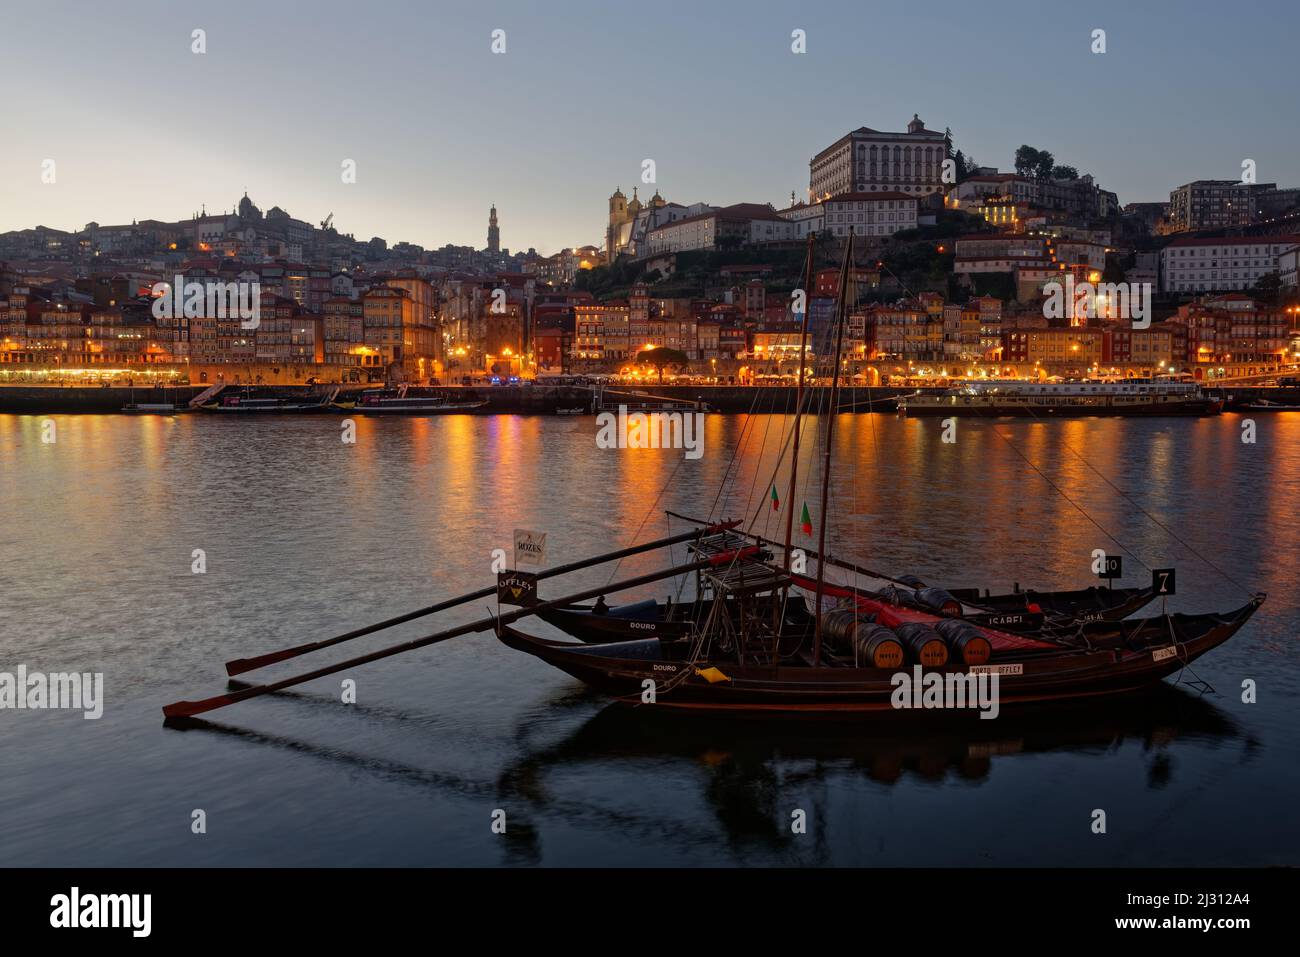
pixel 530 399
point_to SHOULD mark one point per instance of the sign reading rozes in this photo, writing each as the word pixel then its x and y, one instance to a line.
pixel 530 548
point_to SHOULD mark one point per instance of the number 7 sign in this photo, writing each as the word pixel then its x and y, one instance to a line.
pixel 1163 581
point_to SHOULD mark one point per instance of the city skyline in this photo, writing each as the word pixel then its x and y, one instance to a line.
pixel 613 92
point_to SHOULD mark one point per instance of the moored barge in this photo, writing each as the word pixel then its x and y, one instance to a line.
pixel 1056 399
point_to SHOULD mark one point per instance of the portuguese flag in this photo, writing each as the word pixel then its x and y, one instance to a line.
pixel 805 520
pixel 776 502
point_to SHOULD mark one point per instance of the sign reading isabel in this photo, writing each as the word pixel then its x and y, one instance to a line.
pixel 530 548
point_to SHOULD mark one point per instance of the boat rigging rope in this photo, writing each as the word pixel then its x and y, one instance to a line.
pixel 787 442
pixel 1082 511
pixel 1180 650
pixel 697 648
pixel 767 426
pixel 1163 527
pixel 645 518
pixel 1159 524
pixel 735 452
pixel 665 486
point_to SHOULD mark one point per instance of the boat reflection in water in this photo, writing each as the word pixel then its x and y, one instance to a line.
pixel 738 778
pixel 753 770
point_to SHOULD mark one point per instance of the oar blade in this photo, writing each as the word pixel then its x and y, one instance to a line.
pixel 188 709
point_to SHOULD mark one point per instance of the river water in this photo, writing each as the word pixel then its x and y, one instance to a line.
pixel 304 536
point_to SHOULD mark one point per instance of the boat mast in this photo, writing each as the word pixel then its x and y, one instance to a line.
pixel 798 399
pixel 832 408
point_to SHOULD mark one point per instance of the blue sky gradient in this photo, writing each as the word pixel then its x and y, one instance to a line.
pixel 440 127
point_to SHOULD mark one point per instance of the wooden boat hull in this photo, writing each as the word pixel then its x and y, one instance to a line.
pixel 1059 610
pixel 585 625
pixel 1144 651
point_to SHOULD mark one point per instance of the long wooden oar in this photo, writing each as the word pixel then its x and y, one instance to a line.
pixel 187 709
pixel 241 665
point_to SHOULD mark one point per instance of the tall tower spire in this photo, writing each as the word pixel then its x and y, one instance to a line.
pixel 494 232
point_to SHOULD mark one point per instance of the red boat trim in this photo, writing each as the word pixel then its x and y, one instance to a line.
pixel 891 616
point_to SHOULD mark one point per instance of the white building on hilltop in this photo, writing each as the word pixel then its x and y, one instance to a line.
pixel 1220 265
pixel 1288 267
pixel 870 214
pixel 867 160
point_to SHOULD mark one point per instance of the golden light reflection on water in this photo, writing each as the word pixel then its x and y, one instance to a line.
pixel 900 497
pixel 307 536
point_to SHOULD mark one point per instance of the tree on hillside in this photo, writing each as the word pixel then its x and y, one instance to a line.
pixel 1026 160
pixel 1065 172
pixel 1268 286
pixel 966 166
pixel 1034 163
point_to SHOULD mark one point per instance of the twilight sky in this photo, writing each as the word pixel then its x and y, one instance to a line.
pixel 440 127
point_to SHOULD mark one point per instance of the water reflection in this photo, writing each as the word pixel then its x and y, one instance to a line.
pixel 307 536
pixel 747 773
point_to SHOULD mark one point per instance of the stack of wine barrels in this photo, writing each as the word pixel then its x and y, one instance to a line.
pixel 871 644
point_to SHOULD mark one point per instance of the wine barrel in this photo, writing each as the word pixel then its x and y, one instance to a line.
pixel 873 645
pixel 877 647
pixel 923 644
pixel 936 599
pixel 966 643
pixel 837 628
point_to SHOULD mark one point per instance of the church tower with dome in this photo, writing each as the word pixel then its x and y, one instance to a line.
pixel 622 215
pixel 617 217
pixel 247 211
